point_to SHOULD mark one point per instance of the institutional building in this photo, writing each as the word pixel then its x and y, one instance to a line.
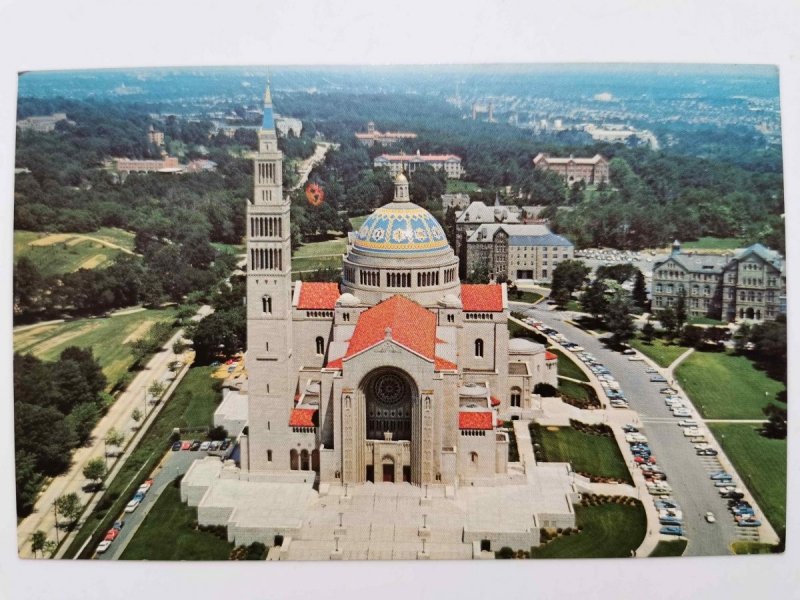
pixel 749 284
pixel 387 138
pixel 168 164
pixel 382 398
pixel 408 163
pixel 588 170
pixel 155 137
pixel 458 201
pixel 44 124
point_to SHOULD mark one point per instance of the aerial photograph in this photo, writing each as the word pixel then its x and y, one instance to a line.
pixel 409 312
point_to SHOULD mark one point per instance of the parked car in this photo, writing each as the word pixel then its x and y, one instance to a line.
pixel 215 445
pixel 195 445
pixel 630 429
pixel 629 352
pixel 651 370
pixel 132 506
pixel 225 445
pixel 176 446
pixel 708 452
pixel 687 423
pixel 205 446
pixel 658 379
pixel 119 524
pixel 668 391
pixel 103 546
pixel 753 523
pixel 671 530
pixel 666 503
pixel 111 535
pixel 681 412
pixel 186 445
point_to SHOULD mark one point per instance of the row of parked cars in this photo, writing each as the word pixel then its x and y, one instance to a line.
pixel 115 530
pixel 742 511
pixel 202 446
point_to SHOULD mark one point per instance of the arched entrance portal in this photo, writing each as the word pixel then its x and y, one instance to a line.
pixel 389 394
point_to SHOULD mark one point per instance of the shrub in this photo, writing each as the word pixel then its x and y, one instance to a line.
pixel 545 389
pixel 505 553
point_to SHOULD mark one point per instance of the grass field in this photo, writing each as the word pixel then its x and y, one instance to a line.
pixel 520 296
pixel 576 390
pixel 704 321
pixel 587 453
pixel 725 386
pixel 106 337
pixel 670 548
pixel 609 531
pixel 229 248
pixel 167 533
pixel 714 243
pixel 68 253
pixel 567 366
pixel 325 248
pixel 761 462
pixel 659 351
pixel 457 186
pixel 181 410
pixel 315 263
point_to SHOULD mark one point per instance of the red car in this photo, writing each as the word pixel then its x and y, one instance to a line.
pixel 186 445
pixel 111 535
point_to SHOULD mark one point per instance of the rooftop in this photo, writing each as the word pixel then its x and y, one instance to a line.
pixel 317 295
pixel 482 297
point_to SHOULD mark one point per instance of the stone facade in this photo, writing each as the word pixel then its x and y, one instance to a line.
pixel 387 138
pixel 590 170
pixel 748 284
pixel 408 163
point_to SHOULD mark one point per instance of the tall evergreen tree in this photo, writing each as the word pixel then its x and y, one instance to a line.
pixel 639 293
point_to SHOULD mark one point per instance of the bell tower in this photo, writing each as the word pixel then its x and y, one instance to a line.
pixel 269 316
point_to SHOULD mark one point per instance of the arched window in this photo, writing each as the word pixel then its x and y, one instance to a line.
pixel 479 348
pixel 516 397
pixel 320 346
pixel 473 457
pixel 266 305
pixel 294 463
pixel 305 463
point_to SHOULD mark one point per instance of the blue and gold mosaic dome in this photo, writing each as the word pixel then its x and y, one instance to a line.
pixel 401 228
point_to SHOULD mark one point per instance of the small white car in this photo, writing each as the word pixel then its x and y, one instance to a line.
pixel 710 517
pixel 131 506
pixel 205 446
pixel 687 423
pixel 103 546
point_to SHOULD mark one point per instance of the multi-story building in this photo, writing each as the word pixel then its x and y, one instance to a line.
pixel 525 251
pixel 44 123
pixel 155 137
pixel 745 285
pixel 386 138
pixel 168 164
pixel 589 170
pixel 408 163
pixel 457 201
pixel 478 213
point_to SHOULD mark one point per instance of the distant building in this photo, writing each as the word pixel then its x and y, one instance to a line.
pixel 155 137
pixel 286 125
pixel 518 251
pixel 477 214
pixel 590 170
pixel 399 163
pixel 457 201
pixel 169 164
pixel 43 124
pixel 373 136
pixel 748 284
pixel 199 166
pixel 487 109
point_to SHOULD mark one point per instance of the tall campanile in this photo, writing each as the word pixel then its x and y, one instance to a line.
pixel 269 316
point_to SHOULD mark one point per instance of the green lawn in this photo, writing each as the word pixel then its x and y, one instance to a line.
pixel 567 367
pixel 357 222
pixel 587 453
pixel 167 533
pixel 577 390
pixel 714 243
pixel 315 263
pixel 457 186
pixel 520 296
pixel 229 248
pixel 181 410
pixel 725 386
pixel 670 548
pixel 335 246
pixel 63 256
pixel 120 237
pixel 518 331
pixel 662 353
pixel 761 462
pixel 105 336
pixel 704 321
pixel 609 531
pixel 574 306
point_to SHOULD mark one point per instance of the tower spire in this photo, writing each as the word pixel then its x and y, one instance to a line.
pixel 267 94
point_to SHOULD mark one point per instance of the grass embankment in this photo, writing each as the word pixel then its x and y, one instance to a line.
pixel 659 351
pixel 579 391
pixel 609 531
pixel 168 533
pixel 589 454
pixel 520 296
pixel 192 405
pixel 567 366
pixel 458 186
pixel 669 548
pixel 714 243
pixel 107 337
pixel 518 331
pixel 726 386
pixel 760 462
pixel 54 254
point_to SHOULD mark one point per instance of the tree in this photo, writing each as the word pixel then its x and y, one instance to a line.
pixel 668 321
pixel 115 438
pixel 680 310
pixel 218 433
pixel 221 333
pixel 742 338
pixel 568 276
pixel 648 331
pixel 156 390
pixel 69 507
pixel 38 540
pixel 136 415
pixel 95 470
pixel 479 273
pixel 692 335
pixel 593 300
pixel 618 317
pixel 82 421
pixel 639 292
pixel 777 426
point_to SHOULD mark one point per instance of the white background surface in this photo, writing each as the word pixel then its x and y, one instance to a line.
pixel 72 35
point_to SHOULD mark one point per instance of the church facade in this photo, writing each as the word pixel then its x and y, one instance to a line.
pixel 400 374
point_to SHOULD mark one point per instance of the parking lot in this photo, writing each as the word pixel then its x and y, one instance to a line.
pixel 689 474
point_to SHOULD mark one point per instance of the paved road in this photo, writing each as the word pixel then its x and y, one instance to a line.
pixel 688 473
pixel 304 168
pixel 117 417
pixel 173 465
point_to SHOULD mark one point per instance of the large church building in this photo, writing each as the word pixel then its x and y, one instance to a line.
pixel 401 375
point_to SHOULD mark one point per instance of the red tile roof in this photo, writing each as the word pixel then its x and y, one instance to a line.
pixel 495 401
pixel 440 364
pixel 411 326
pixel 485 297
pixel 550 356
pixel 474 420
pixel 303 417
pixel 316 294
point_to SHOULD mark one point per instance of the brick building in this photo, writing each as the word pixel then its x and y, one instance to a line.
pixel 590 170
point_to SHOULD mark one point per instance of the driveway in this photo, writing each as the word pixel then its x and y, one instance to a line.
pixel 688 473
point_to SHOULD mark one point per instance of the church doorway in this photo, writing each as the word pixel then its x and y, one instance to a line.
pixel 388 472
pixel 749 313
pixel 389 394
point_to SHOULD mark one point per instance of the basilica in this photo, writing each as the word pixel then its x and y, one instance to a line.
pixel 398 375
